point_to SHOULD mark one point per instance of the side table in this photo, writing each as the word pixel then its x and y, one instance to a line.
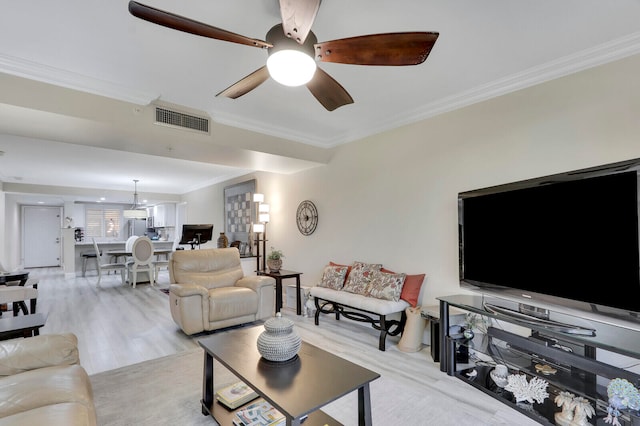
pixel 24 325
pixel 279 276
pixel 21 277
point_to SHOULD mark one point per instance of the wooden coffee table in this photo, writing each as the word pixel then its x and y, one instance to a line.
pixel 297 388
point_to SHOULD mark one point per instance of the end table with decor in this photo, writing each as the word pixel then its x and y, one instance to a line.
pixel 279 276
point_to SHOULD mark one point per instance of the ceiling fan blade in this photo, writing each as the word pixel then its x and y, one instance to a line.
pixel 247 84
pixel 327 91
pixel 176 22
pixel 410 48
pixel 298 17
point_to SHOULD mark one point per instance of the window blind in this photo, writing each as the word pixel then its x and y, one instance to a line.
pixel 103 222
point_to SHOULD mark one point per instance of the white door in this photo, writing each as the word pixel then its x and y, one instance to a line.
pixel 41 236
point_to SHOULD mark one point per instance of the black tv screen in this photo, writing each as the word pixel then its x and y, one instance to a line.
pixel 198 234
pixel 572 236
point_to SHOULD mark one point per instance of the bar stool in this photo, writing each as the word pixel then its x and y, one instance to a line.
pixel 85 257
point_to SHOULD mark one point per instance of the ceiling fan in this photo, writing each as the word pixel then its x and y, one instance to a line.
pixel 293 50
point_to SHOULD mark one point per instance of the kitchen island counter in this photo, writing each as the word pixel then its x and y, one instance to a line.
pixel 105 248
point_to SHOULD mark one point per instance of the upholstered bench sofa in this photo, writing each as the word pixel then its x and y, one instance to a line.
pixel 367 293
pixel 209 291
pixel 42 383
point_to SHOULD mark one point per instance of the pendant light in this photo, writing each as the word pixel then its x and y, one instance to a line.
pixel 135 212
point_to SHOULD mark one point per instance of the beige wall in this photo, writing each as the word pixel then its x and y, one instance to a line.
pixel 392 198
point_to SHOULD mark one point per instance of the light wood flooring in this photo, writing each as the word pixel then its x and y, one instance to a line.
pixel 118 325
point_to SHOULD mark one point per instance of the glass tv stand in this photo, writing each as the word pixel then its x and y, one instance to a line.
pixel 579 351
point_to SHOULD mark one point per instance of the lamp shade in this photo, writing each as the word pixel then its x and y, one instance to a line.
pixel 135 214
pixel 263 217
pixel 258 227
pixel 258 198
pixel 263 208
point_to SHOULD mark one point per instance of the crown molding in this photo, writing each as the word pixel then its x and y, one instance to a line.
pixel 602 54
pixel 59 77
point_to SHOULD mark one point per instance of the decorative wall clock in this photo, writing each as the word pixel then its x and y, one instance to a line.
pixel 307 217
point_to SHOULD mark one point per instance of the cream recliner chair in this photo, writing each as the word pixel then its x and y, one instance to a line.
pixel 209 291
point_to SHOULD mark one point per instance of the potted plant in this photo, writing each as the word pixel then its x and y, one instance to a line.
pixel 274 260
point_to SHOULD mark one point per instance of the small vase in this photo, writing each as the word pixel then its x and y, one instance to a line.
pixel 468 333
pixel 278 342
pixel 223 241
pixel 274 264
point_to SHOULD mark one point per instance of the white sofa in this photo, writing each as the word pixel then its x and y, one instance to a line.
pixel 364 309
pixel 367 292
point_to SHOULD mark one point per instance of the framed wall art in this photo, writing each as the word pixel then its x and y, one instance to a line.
pixel 239 210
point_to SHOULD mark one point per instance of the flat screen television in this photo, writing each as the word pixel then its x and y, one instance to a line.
pixel 569 239
pixel 196 234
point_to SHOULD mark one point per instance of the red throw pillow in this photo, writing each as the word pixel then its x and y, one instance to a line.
pixel 411 288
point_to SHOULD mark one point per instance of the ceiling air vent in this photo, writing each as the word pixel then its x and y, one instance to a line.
pixel 171 118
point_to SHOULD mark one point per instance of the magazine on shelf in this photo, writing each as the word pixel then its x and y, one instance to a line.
pixel 235 395
pixel 259 413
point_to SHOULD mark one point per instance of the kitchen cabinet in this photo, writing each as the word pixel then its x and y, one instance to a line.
pixel 164 215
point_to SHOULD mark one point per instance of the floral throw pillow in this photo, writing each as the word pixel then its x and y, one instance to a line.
pixel 333 277
pixel 360 276
pixel 385 286
pixel 410 288
pixel 348 268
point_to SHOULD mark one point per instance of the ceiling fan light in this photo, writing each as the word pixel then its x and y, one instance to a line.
pixel 291 67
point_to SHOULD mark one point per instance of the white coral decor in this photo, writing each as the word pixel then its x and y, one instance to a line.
pixel 536 389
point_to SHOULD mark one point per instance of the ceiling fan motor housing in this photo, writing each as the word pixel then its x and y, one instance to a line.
pixel 280 41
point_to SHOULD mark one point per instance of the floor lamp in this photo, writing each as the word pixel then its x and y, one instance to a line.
pixel 258 228
pixel 263 217
pixel 261 228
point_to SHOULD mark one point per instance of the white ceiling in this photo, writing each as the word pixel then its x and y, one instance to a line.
pixel 485 49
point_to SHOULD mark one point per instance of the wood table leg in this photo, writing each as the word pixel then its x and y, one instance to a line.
pixel 278 294
pixel 364 406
